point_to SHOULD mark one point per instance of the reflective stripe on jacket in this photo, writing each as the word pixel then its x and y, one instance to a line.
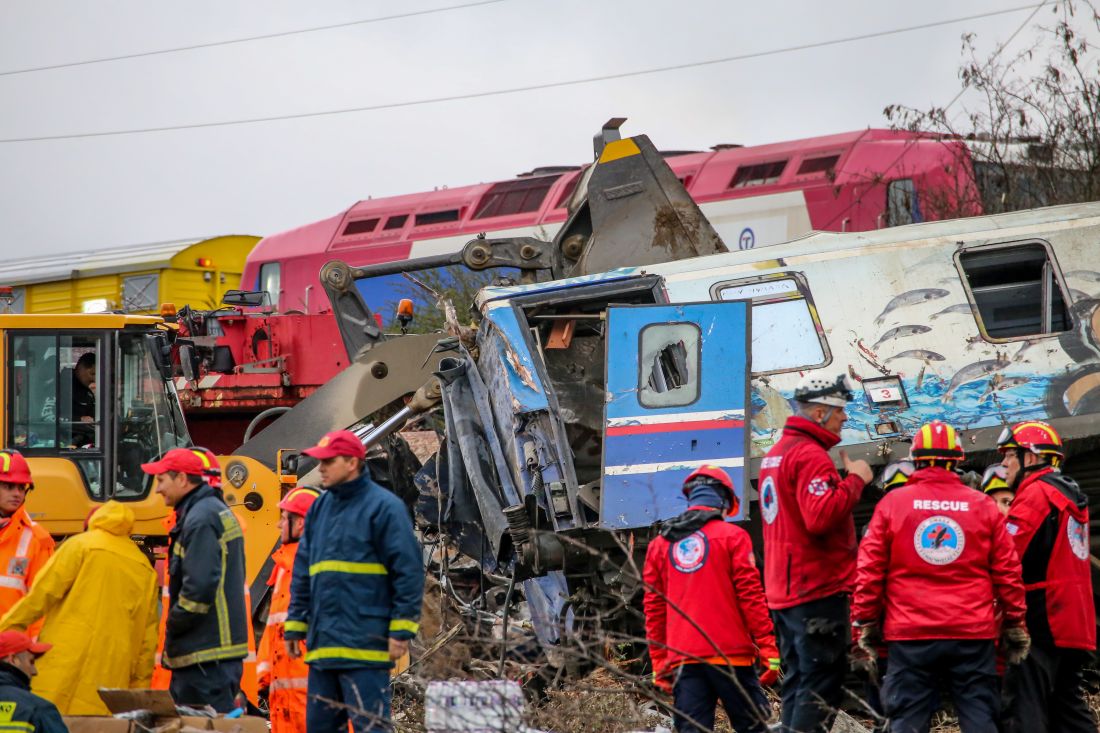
pixel 25 712
pixel 283 676
pixel 98 594
pixel 358 578
pixel 935 559
pixel 1049 520
pixel 25 546
pixel 208 619
pixel 809 533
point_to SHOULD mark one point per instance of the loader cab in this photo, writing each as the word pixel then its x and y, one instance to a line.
pixel 87 401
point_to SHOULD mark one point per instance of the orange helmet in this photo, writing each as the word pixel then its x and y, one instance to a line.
pixel 212 470
pixel 298 500
pixel 14 469
pixel 1035 437
pixel 715 476
pixel 937 441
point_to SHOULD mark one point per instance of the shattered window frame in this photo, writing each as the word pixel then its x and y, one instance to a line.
pixel 801 292
pixel 649 396
pixel 983 309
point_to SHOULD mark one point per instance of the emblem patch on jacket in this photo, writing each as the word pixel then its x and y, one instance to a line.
pixel 690 553
pixel 769 500
pixel 939 540
pixel 18 566
pixel 818 487
pixel 1078 538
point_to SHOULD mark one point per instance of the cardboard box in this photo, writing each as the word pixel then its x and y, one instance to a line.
pixel 160 703
pixel 95 724
pixel 245 724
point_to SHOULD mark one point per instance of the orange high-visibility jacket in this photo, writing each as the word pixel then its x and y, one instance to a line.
pixel 283 676
pixel 25 546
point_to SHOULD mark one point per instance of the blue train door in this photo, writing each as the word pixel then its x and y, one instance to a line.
pixel 677 381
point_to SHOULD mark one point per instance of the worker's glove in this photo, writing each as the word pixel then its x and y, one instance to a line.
pixel 771 674
pixel 1016 643
pixel 864 663
pixel 662 680
pixel 870 637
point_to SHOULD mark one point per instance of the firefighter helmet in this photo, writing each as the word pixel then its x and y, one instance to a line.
pixel 211 469
pixel 14 469
pixel 995 479
pixel 717 478
pixel 299 499
pixel 896 474
pixel 937 441
pixel 1035 437
pixel 820 390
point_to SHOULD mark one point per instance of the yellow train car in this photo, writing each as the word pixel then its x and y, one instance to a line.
pixel 133 279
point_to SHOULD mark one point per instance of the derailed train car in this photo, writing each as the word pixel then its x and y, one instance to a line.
pixel 581 399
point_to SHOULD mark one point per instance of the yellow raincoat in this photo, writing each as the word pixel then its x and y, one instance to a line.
pixel 98 594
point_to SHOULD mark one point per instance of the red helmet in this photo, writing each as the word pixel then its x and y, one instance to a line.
pixel 14 469
pixel 298 500
pixel 212 470
pixel 937 441
pixel 1036 437
pixel 717 477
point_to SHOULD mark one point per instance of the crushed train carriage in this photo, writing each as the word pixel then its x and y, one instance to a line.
pixel 574 410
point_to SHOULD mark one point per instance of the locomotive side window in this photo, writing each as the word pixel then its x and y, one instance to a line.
pixel 669 365
pixel 1017 289
pixel 786 333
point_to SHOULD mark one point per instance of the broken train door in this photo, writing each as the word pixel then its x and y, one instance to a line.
pixel 677 379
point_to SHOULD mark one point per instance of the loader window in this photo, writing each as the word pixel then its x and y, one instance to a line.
pixel 149 418
pixel 52 385
pixel 669 361
pixel 1017 291
pixel 786 334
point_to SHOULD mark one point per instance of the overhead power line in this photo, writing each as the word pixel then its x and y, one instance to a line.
pixel 524 88
pixel 249 39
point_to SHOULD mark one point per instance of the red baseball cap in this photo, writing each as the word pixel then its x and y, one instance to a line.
pixel 184 460
pixel 13 642
pixel 337 443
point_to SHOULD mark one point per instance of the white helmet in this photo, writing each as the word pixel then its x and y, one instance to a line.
pixel 824 391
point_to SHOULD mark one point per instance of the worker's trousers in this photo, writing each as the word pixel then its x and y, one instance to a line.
pixel 966 667
pixel 813 644
pixel 698 689
pixel 1046 692
pixel 211 683
pixel 358 694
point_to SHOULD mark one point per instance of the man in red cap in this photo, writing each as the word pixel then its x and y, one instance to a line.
pixel 25 545
pixel 282 676
pixel 206 638
pixel 357 586
pixel 20 709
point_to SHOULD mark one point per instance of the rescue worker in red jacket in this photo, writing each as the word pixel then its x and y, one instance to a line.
pixel 1049 521
pixel 935 559
pixel 706 619
pixel 283 678
pixel 810 551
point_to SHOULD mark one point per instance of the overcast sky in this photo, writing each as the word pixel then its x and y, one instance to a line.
pixel 78 194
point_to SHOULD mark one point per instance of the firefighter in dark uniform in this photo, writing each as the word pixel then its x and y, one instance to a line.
pixel 810 551
pixel 206 636
pixel 935 561
pixel 20 709
pixel 1049 521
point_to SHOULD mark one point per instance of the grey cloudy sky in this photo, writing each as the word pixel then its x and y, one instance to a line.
pixel 67 195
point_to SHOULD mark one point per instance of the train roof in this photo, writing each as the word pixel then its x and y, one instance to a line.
pixel 127 258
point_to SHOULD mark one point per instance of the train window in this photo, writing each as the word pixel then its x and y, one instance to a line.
pixel 270 281
pixel 669 364
pixel 52 386
pixel 436 217
pixel 1017 289
pixel 902 204
pixel 566 192
pixel 786 334
pixel 396 222
pixel 520 196
pixel 360 226
pixel 759 174
pixel 140 293
pixel 825 164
